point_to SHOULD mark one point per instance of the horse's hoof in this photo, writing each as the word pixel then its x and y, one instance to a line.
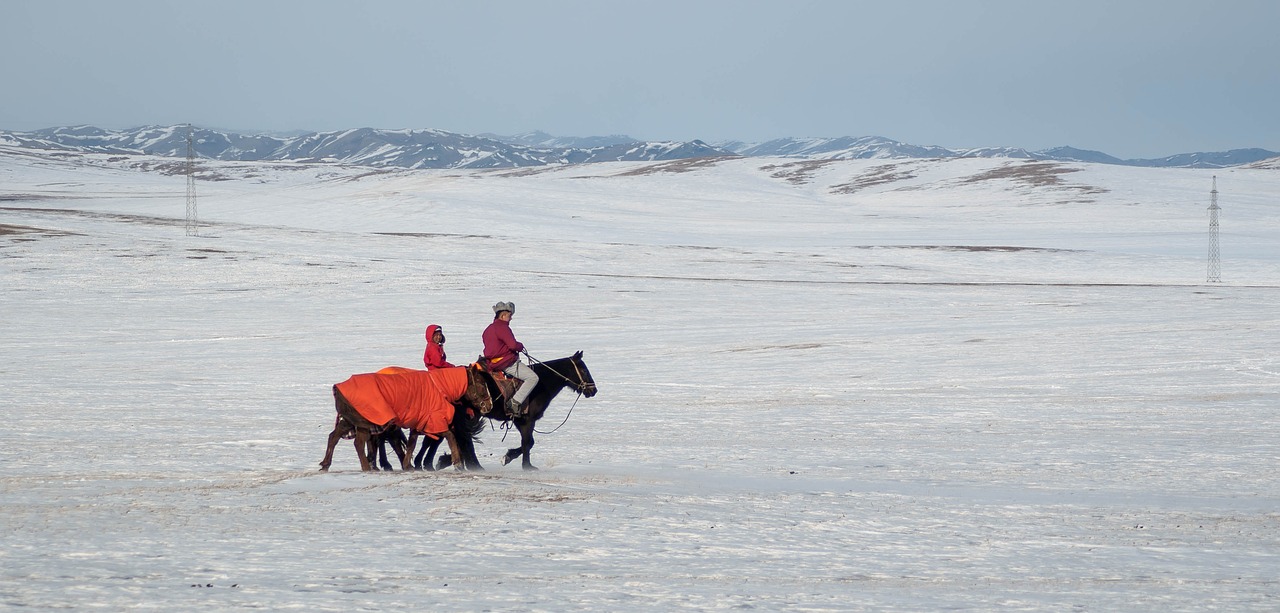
pixel 530 467
pixel 505 460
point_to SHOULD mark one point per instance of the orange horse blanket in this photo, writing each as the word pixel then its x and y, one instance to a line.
pixel 418 399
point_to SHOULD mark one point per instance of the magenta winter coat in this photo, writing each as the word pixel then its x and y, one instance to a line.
pixel 501 349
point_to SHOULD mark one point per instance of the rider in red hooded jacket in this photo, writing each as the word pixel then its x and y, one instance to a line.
pixel 434 356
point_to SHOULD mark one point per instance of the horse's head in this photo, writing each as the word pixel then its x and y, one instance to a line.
pixel 481 390
pixel 586 385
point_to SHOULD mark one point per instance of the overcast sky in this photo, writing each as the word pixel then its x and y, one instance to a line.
pixel 1133 79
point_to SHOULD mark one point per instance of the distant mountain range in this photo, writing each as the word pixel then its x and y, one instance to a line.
pixel 363 146
pixel 440 149
pixel 876 147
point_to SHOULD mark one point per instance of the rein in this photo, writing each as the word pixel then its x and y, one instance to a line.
pixel 578 385
pixel 566 417
pixel 508 426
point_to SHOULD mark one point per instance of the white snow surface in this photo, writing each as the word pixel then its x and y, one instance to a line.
pixel 838 385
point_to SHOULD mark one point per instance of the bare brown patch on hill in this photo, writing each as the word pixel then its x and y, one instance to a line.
pixel 118 217
pixel 676 166
pixel 1035 174
pixel 880 175
pixel 31 232
pixel 797 173
pixel 529 172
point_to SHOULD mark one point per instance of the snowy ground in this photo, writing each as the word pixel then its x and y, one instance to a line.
pixel 821 388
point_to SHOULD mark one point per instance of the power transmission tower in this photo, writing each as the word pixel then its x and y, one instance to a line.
pixel 193 225
pixel 1215 257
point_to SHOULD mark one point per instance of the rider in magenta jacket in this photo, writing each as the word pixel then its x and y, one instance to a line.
pixel 502 353
pixel 501 349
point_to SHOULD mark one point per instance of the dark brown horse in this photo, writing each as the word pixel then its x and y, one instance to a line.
pixel 350 424
pixel 553 377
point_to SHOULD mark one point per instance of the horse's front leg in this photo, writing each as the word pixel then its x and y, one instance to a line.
pixel 526 444
pixel 454 451
pixel 338 432
pixel 468 446
pixel 362 444
pixel 406 458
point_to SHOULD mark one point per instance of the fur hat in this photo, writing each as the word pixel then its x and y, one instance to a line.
pixel 504 306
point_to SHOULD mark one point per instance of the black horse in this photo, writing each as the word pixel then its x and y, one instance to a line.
pixel 553 377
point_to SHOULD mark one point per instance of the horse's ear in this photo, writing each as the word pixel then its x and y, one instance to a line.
pixel 578 355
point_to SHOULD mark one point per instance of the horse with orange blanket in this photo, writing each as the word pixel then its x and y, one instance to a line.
pixel 423 401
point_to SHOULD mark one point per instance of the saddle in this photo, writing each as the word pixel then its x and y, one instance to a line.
pixel 506 384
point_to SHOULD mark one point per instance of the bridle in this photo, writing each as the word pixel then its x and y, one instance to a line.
pixel 581 385
pixel 488 388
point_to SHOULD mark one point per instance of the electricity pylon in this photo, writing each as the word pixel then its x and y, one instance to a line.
pixel 1215 257
pixel 193 225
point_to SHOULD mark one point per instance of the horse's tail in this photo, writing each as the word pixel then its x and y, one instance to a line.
pixel 476 429
pixel 468 422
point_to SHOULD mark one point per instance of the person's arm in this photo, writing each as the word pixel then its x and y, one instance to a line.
pixel 509 339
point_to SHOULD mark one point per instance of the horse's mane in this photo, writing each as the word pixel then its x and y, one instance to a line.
pixel 542 368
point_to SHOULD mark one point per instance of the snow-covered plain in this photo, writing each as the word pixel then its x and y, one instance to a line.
pixel 855 385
